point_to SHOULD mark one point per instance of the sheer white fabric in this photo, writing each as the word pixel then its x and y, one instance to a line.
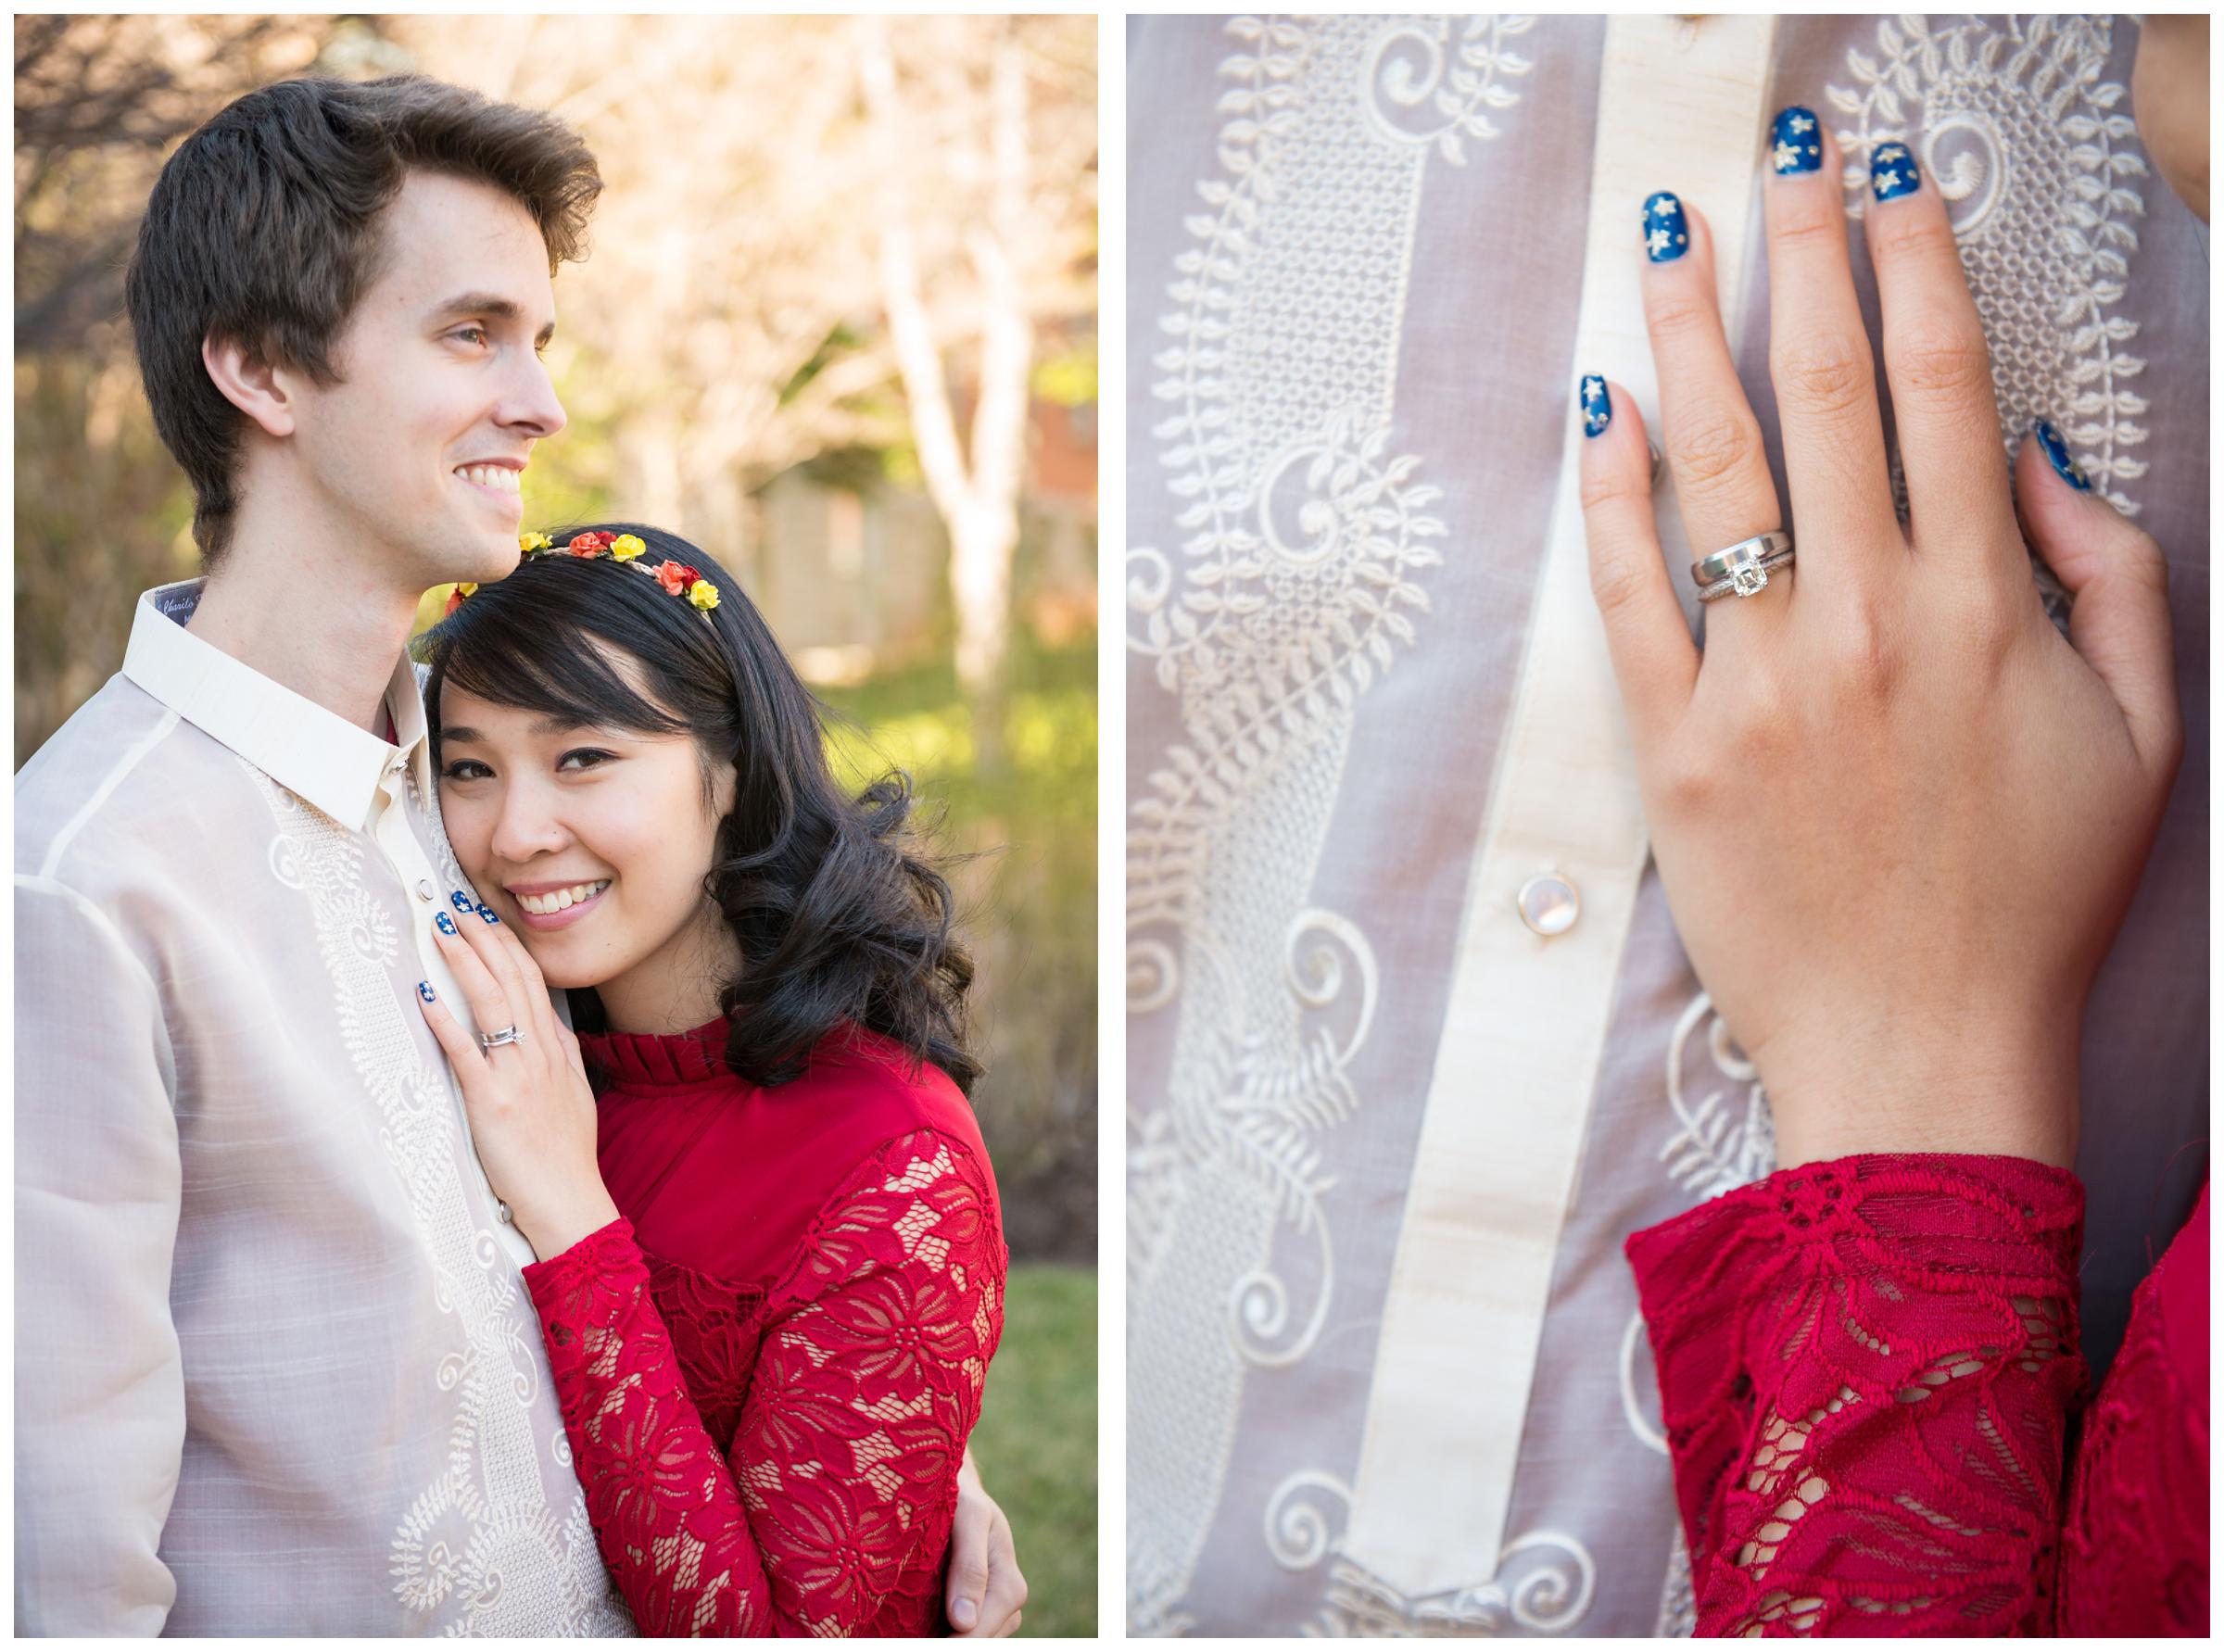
pixel 1358 293
pixel 276 1371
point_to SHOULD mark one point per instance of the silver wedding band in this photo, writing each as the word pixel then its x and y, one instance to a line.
pixel 509 1035
pixel 1742 569
pixel 1723 563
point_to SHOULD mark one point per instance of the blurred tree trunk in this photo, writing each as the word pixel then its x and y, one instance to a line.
pixel 977 493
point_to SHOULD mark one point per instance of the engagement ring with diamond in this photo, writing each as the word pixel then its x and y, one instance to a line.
pixel 1742 569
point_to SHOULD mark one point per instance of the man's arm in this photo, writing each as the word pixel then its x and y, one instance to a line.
pixel 100 1397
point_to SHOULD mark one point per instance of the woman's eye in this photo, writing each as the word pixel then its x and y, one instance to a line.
pixel 463 768
pixel 586 758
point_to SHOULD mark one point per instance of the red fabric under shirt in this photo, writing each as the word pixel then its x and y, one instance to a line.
pixel 770 1364
pixel 1869 1372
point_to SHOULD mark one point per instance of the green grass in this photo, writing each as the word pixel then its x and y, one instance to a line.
pixel 1036 1442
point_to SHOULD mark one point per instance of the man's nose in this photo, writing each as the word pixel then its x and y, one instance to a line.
pixel 534 406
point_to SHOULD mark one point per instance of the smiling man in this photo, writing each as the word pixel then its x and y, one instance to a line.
pixel 276 1371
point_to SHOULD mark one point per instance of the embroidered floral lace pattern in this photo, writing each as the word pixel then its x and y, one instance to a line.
pixel 759 1463
pixel 1868 1370
pixel 2135 1534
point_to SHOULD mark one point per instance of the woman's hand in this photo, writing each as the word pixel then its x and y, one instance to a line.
pixel 532 1112
pixel 1897 817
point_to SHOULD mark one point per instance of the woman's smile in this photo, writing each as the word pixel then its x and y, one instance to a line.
pixel 545 907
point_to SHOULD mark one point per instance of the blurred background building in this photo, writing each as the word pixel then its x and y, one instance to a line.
pixel 838 327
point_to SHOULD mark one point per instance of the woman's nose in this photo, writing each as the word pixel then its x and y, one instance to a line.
pixel 526 826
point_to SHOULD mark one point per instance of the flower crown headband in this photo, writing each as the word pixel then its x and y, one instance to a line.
pixel 678 578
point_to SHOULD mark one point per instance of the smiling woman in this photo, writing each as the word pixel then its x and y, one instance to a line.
pixel 769 1221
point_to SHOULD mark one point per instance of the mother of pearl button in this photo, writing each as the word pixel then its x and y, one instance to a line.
pixel 1549 905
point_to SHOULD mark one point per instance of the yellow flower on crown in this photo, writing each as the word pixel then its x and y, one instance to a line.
pixel 703 594
pixel 527 543
pixel 627 547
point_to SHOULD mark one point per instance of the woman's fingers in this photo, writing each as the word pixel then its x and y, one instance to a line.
pixel 1820 362
pixel 532 987
pixel 2120 619
pixel 1712 441
pixel 483 989
pixel 1944 406
pixel 462 1050
pixel 1655 662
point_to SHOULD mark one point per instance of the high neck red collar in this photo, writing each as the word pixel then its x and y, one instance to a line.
pixel 635 1058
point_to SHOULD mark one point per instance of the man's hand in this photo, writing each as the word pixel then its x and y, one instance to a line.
pixel 985 1590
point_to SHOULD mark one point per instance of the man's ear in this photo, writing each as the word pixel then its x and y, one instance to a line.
pixel 262 392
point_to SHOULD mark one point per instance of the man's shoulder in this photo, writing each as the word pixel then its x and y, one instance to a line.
pixel 119 778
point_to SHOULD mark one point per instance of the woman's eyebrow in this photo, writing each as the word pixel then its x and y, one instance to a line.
pixel 555 723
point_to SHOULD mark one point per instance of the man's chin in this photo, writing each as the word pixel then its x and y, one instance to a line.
pixel 487 566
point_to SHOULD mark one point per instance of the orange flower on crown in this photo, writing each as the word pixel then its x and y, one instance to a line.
pixel 675 577
pixel 455 597
pixel 591 545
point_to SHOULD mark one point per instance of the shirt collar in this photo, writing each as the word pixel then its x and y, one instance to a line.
pixel 316 754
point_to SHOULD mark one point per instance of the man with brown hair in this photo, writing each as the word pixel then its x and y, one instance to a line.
pixel 276 1371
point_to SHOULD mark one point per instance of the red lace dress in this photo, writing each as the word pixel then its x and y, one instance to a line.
pixel 1868 1372
pixel 769 1364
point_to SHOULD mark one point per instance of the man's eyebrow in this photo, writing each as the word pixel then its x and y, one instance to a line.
pixel 491 305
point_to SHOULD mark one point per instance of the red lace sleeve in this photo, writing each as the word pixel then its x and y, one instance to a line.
pixel 1866 1367
pixel 832 1513
pixel 2135 1535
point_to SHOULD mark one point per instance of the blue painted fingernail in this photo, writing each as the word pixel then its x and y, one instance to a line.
pixel 487 913
pixel 442 921
pixel 424 990
pixel 1666 232
pixel 2057 454
pixel 1796 141
pixel 1893 172
pixel 460 901
pixel 1597 411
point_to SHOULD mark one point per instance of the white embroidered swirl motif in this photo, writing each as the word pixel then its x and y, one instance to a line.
pixel 1635 1389
pixel 1304 1521
pixel 1415 64
pixel 2040 170
pixel 1293 588
pixel 1726 1138
pixel 1299 1531
pixel 482 1551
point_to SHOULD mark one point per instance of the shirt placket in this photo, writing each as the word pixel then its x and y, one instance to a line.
pixel 1552 887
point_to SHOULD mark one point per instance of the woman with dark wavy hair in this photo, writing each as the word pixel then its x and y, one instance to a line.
pixel 771 1271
